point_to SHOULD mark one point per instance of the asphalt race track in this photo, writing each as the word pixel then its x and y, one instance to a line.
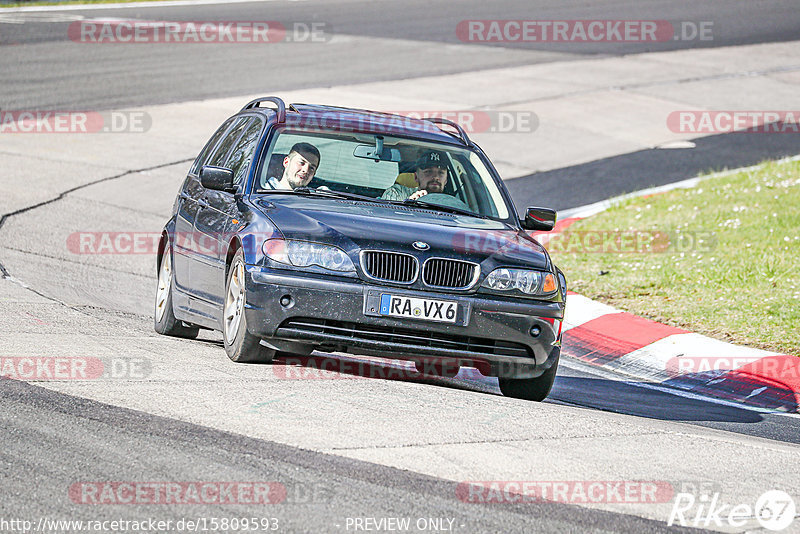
pixel 342 446
pixel 375 41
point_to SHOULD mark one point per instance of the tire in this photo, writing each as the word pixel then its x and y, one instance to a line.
pixel 240 345
pixel 437 368
pixel 164 319
pixel 532 389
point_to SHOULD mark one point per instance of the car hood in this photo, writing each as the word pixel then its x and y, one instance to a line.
pixel 354 225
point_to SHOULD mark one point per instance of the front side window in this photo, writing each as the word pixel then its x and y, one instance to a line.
pixel 239 159
pixel 220 154
pixel 201 159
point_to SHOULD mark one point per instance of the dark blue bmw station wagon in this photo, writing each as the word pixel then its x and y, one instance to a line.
pixel 341 230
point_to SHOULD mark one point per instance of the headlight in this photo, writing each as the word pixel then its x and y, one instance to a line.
pixel 524 280
pixel 305 254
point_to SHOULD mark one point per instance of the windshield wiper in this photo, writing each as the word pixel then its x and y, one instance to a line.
pixel 439 207
pixel 335 194
pixel 310 191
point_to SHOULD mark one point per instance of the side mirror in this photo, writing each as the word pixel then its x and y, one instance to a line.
pixel 217 178
pixel 540 219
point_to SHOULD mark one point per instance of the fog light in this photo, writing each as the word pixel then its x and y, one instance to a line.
pixel 535 331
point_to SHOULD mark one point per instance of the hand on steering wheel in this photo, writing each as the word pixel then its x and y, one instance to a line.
pixel 417 194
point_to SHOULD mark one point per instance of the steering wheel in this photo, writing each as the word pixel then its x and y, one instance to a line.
pixel 443 199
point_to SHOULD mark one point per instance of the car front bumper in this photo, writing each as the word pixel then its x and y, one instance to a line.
pixel 497 336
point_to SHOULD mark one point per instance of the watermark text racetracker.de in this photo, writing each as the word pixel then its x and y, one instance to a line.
pixel 471 121
pixel 481 121
pixel 727 121
pixel 74 122
pixel 103 243
pixel 778 368
pixel 112 31
pixel 589 241
pixel 337 368
pixel 38 368
pixel 199 492
pixel 138 492
pixel 583 31
pixel 565 491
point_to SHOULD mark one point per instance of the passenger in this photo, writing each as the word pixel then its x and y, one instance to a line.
pixel 430 175
pixel 299 167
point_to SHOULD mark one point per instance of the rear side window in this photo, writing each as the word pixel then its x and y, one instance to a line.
pixel 242 153
pixel 224 147
pixel 201 159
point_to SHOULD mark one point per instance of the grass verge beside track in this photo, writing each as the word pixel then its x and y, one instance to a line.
pixel 721 259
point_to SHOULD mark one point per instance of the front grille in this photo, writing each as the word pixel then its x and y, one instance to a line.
pixel 449 274
pixel 387 337
pixel 390 266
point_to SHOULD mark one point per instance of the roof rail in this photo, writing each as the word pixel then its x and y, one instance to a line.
pixel 461 133
pixel 281 107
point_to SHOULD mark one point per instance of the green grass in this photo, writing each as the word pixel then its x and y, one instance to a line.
pixel 730 267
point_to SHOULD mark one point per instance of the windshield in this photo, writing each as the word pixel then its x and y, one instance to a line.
pixel 381 168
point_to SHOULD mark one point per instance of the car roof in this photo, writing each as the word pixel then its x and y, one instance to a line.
pixel 360 120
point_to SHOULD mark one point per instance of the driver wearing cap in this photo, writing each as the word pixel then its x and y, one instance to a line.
pixel 430 175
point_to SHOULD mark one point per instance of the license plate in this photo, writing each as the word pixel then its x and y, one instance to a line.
pixel 444 311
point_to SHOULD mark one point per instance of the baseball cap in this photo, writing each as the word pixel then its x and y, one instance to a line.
pixel 432 158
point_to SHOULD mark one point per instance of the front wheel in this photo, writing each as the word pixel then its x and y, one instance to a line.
pixel 240 345
pixel 533 389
